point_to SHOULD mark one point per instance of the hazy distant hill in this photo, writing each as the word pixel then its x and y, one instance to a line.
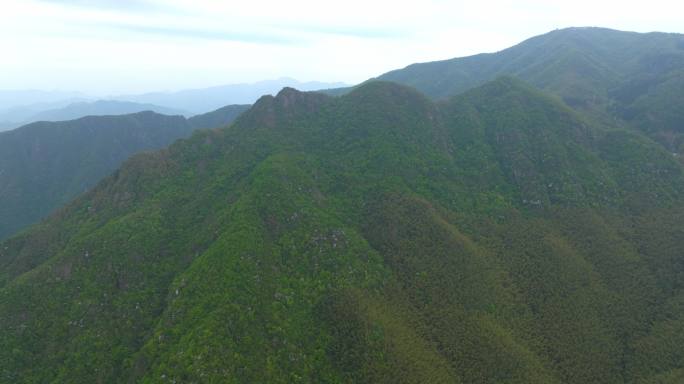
pixel 43 165
pixel 5 126
pixel 22 107
pixel 67 110
pixel 101 108
pixel 17 98
pixel 208 99
pixel 19 115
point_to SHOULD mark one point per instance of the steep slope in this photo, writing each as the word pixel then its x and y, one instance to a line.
pixel 44 165
pixel 612 74
pixel 375 237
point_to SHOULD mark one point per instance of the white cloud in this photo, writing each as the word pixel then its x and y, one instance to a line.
pixel 110 46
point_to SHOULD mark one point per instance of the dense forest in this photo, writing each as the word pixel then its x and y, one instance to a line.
pixel 515 217
pixel 498 236
pixel 44 165
pixel 626 78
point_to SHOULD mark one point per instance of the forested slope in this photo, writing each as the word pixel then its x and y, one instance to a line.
pixel 628 78
pixel 44 165
pixel 495 237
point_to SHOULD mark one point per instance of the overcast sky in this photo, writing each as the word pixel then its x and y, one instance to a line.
pixel 121 46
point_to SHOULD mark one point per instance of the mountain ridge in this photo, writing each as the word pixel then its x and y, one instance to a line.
pixel 374 237
pixel 45 164
pixel 21 107
pixel 616 77
pixel 101 108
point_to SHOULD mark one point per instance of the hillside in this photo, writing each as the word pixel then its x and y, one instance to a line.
pixel 633 77
pixel 46 164
pixel 498 236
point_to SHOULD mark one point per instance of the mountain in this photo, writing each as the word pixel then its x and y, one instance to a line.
pixel 100 108
pixel 498 236
pixel 208 99
pixel 219 117
pixel 44 165
pixel 19 115
pixel 21 107
pixel 635 78
pixel 68 110
pixel 18 98
pixel 6 126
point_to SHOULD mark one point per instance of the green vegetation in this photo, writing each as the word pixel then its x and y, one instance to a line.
pixel 617 77
pixel 495 237
pixel 44 165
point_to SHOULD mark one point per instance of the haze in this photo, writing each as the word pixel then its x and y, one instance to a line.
pixel 107 47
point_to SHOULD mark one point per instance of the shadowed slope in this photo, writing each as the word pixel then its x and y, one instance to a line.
pixel 46 164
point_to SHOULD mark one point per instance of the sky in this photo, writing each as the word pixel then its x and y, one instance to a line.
pixel 106 47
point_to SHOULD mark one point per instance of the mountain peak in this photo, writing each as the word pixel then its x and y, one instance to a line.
pixel 289 96
pixel 287 103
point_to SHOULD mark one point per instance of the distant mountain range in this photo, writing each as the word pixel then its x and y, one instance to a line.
pixel 18 116
pixel 18 98
pixel 207 99
pixel 101 108
pixel 31 106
